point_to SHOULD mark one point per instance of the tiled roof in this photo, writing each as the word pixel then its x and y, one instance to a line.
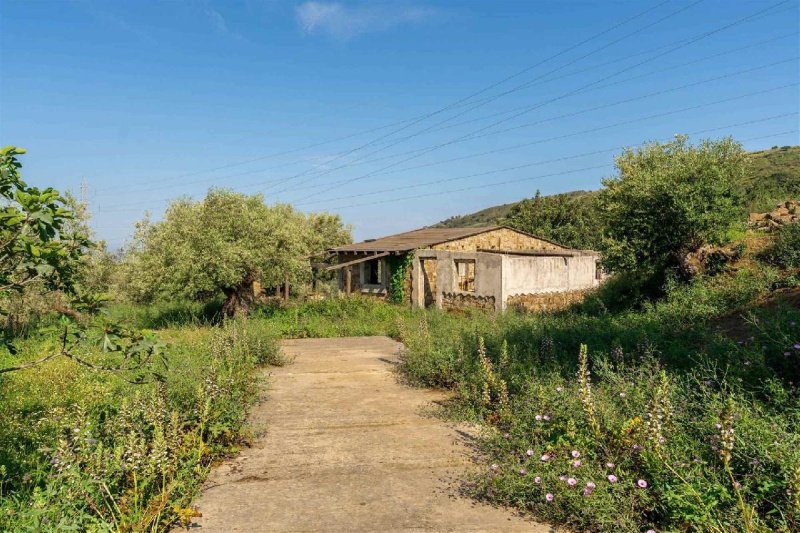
pixel 411 240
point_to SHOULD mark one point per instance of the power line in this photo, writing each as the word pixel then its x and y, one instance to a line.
pixel 585 131
pixel 557 117
pixel 273 181
pixel 537 163
pixel 411 122
pixel 604 106
pixel 508 182
pixel 515 89
pixel 576 91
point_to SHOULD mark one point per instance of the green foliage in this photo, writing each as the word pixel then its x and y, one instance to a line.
pixel 647 398
pixel 785 250
pixel 222 244
pixel 669 199
pixel 43 246
pixel 88 451
pixel 568 219
pixel 337 317
pixel 773 177
pixel 36 243
pixel 398 266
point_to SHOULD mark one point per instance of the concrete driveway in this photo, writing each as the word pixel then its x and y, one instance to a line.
pixel 343 447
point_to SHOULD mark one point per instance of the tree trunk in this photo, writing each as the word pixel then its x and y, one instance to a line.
pixel 239 299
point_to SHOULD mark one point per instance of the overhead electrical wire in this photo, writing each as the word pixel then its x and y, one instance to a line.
pixel 583 111
pixel 120 208
pixel 366 161
pixel 515 89
pixel 461 101
pixel 537 163
pixel 520 180
pixel 570 93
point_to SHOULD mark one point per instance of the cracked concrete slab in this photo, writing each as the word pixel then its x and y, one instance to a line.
pixel 342 446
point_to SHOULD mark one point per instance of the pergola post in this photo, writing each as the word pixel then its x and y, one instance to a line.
pixel 348 280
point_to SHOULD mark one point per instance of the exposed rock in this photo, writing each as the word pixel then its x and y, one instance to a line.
pixel 709 260
pixel 787 212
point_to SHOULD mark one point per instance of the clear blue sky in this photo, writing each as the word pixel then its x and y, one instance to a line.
pixel 140 100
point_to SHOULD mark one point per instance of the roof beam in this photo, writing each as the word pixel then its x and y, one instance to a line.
pixel 357 261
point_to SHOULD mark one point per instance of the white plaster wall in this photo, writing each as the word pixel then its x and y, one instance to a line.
pixel 532 274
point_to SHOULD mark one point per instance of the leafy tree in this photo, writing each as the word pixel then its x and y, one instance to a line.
pixel 567 219
pixel 224 243
pixel 36 243
pixel 667 200
pixel 42 243
pixel 785 250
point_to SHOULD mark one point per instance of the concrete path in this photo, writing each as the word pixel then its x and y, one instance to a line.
pixel 345 448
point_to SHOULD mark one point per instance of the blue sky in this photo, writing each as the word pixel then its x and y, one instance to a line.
pixel 148 101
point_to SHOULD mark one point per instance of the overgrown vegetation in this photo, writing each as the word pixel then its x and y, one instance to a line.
pixel 221 245
pixel 660 402
pixel 86 450
pixel 771 176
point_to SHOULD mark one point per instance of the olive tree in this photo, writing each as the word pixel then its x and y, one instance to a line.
pixel 222 244
pixel 668 200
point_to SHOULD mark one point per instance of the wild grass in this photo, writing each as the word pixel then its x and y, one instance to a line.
pixel 87 450
pixel 669 419
pixel 661 424
pixel 699 430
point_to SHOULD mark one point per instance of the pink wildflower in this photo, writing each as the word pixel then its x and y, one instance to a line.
pixel 562 478
pixel 576 454
pixel 546 417
pixel 529 453
pixel 495 466
pixel 548 496
pixel 642 484
pixel 622 394
pixel 612 478
pixel 545 458
pixel 610 465
pixel 572 482
pixel 522 471
pixel 576 463
pixel 559 389
pixel 537 480
pixel 538 417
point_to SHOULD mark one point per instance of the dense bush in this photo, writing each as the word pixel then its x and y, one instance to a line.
pixel 83 450
pixel 785 251
pixel 221 245
pixel 668 200
pixel 654 400
pixel 568 219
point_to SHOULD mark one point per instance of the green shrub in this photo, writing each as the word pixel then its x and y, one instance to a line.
pixel 785 251
pixel 85 450
pixel 660 378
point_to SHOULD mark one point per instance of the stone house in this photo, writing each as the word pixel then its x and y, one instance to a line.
pixel 493 267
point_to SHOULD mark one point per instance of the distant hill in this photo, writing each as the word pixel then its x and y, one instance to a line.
pixel 775 176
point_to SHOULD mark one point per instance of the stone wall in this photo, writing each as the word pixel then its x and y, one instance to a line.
pixel 499 239
pixel 546 301
pixel 463 301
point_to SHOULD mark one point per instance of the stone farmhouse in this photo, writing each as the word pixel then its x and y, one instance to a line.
pixel 493 268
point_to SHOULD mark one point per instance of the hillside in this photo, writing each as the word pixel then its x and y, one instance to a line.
pixel 775 176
